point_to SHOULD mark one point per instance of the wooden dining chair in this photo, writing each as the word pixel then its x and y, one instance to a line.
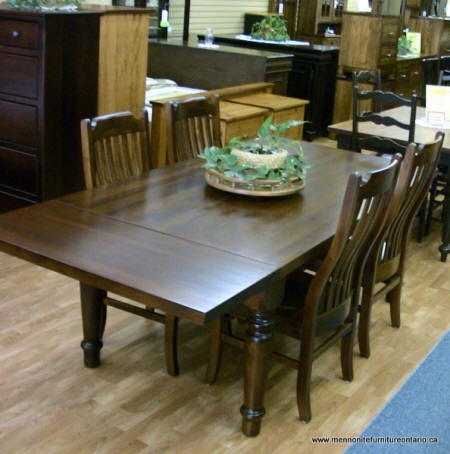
pixel 378 97
pixel 115 147
pixel 192 125
pixel 386 262
pixel 324 305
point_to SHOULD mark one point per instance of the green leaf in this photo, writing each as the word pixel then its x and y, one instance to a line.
pixel 264 129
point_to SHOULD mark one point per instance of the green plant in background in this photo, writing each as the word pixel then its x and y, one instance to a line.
pixel 269 141
pixel 271 28
pixel 404 46
pixel 36 4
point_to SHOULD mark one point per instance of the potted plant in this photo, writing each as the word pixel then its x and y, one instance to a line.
pixel 269 163
pixel 271 28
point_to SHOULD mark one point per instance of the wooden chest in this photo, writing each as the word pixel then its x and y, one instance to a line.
pixel 282 108
pixel 240 120
pixel 55 69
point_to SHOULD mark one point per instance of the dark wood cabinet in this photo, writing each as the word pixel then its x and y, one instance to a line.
pixel 211 68
pixel 55 69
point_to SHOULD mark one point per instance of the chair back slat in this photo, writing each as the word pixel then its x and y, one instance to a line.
pixel 416 173
pixel 115 147
pixel 363 214
pixel 379 98
pixel 193 124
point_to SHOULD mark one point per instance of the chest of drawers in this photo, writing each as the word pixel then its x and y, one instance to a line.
pixel 55 69
pixel 281 108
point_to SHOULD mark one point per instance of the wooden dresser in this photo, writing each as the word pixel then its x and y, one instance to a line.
pixel 369 42
pixel 55 69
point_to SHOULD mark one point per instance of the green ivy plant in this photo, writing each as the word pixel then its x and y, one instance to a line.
pixel 270 28
pixel 269 141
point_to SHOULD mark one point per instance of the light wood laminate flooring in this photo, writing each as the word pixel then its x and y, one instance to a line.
pixel 50 403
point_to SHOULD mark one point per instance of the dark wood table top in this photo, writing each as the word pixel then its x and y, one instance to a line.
pixel 168 235
pixel 423 134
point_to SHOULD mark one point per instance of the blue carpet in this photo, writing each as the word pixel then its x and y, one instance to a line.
pixel 420 408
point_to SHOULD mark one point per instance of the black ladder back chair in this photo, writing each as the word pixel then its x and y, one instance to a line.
pixel 374 143
pixel 323 306
pixel 367 77
pixel 386 262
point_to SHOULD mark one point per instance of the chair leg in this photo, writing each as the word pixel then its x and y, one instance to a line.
pixel 364 322
pixel 393 297
pixel 215 350
pixel 304 380
pixel 347 356
pixel 170 345
pixel 429 216
pixel 421 216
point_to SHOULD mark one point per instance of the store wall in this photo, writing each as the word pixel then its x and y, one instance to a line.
pixel 224 16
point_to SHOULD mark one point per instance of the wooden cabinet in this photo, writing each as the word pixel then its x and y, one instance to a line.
pixel 369 42
pixel 313 77
pixel 55 69
pixel 282 109
pixel 432 30
pixel 220 67
pixel 240 120
pixel 316 15
pixel 408 81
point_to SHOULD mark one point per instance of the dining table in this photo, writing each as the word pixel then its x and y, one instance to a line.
pixel 424 133
pixel 167 239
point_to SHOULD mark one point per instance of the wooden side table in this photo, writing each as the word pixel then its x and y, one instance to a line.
pixel 282 108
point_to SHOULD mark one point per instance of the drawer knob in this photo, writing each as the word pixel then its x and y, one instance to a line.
pixel 403 76
pixel 15 34
pixel 391 33
pixel 388 55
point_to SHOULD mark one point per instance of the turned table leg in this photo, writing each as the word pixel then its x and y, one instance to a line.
pixel 258 347
pixel 93 312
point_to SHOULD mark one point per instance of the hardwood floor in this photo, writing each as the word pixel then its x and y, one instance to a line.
pixel 50 403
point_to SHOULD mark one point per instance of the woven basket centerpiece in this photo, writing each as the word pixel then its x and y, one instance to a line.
pixel 269 165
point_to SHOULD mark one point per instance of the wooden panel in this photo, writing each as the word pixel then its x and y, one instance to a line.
pixel 22 170
pixel 431 31
pixel 240 120
pixel 181 63
pixel 19 75
pixel 18 123
pixel 19 34
pixel 122 62
pixel 359 46
pixel 343 101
